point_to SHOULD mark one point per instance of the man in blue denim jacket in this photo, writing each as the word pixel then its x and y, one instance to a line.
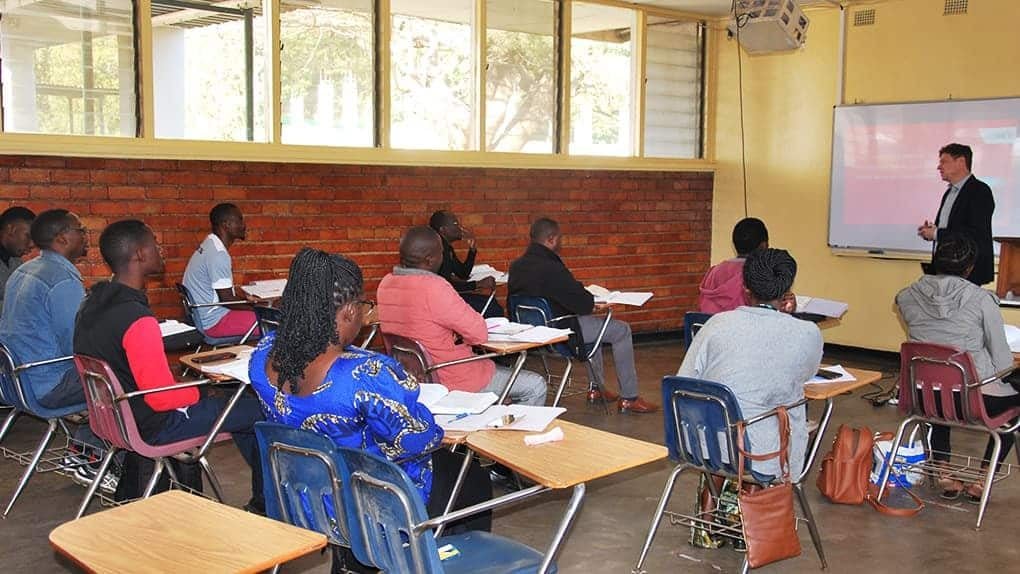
pixel 41 300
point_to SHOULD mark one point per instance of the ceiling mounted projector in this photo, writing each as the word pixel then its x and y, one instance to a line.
pixel 767 26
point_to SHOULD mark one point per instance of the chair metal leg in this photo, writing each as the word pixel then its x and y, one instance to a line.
pixel 883 480
pixel 657 517
pixel 989 477
pixel 746 566
pixel 275 570
pixel 30 469
pixel 213 481
pixel 1016 445
pixel 95 483
pixel 457 485
pixel 805 509
pixel 561 531
pixel 157 471
pixel 563 383
pixel 9 422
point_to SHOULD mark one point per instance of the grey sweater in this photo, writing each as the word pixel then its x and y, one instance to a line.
pixel 950 310
pixel 764 357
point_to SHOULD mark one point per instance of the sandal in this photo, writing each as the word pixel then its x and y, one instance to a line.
pixel 973 492
pixel 951 488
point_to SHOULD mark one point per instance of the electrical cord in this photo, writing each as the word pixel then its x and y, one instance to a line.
pixel 741 21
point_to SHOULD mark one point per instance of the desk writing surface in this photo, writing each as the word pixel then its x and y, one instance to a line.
pixel 179 532
pixel 188 360
pixel 583 455
pixel 816 391
pixel 510 347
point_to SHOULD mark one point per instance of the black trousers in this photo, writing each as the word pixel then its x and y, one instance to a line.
pixel 445 466
pixel 994 406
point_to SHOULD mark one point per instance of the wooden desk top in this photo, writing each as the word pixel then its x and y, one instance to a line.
pixel 583 455
pixel 509 348
pixel 816 391
pixel 189 360
pixel 179 532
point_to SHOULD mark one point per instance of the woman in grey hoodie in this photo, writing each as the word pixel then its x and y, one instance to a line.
pixel 949 310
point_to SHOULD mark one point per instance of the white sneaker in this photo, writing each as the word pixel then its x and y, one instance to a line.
pixel 84 475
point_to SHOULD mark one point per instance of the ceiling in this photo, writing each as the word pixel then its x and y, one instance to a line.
pixel 711 7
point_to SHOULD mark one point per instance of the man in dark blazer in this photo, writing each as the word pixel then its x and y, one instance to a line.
pixel 967 207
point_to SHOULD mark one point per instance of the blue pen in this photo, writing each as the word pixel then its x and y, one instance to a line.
pixel 460 416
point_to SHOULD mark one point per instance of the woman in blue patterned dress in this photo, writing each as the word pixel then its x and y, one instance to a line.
pixel 307 375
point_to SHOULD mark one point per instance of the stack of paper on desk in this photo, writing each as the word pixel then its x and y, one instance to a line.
pixel 236 368
pixel 818 306
pixel 529 335
pixel 527 418
pixel 171 327
pixel 268 289
pixel 442 401
pixel 603 295
pixel 503 326
pixel 479 272
pixel 844 376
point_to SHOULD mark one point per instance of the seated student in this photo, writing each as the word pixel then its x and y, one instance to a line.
pixel 722 288
pixel 950 310
pixel 209 276
pixel 115 324
pixel 15 242
pixel 307 374
pixel 763 355
pixel 42 297
pixel 541 273
pixel 458 272
pixel 417 303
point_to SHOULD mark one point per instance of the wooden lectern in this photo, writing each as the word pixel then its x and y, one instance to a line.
pixel 1009 267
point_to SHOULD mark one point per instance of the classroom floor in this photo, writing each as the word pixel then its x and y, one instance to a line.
pixel 613 521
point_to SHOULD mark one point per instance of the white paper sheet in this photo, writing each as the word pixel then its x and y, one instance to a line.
pixel 503 326
pixel 458 402
pixel 479 272
pixel 268 289
pixel 429 393
pixel 530 335
pixel 236 368
pixel 633 298
pixel 531 419
pixel 827 307
pixel 171 327
pixel 1013 337
pixel 844 376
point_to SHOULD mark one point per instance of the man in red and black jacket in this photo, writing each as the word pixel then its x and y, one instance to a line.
pixel 116 324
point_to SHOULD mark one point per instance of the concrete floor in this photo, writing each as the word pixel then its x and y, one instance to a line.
pixel 611 525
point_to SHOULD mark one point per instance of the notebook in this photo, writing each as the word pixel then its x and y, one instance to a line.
pixel 442 401
pixel 634 298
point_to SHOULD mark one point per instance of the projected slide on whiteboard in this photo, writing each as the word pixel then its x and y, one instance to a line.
pixel 884 182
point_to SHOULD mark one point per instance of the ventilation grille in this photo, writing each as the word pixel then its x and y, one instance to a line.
pixel 864 17
pixel 954 7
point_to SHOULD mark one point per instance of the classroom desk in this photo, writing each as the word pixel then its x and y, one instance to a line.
pixel 189 361
pixel 584 454
pixel 521 350
pixel 179 532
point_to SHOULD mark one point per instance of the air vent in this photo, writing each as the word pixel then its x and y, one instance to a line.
pixel 954 7
pixel 864 17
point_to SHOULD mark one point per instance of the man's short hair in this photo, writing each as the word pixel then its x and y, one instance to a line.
pixel 955 254
pixel 543 228
pixel 769 273
pixel 120 239
pixel 221 213
pixel 748 234
pixel 16 214
pixel 48 225
pixel 440 218
pixel 956 151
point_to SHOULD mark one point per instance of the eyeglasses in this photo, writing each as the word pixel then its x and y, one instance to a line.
pixel 368 303
pixel 83 230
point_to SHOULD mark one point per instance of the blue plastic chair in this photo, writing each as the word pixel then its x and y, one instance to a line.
pixel 693 322
pixel 267 318
pixel 700 419
pixel 537 311
pixel 21 397
pixel 189 314
pixel 390 514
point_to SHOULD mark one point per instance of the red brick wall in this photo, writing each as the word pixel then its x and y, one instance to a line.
pixel 626 230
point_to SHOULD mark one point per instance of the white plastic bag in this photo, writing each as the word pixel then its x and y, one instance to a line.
pixel 910 453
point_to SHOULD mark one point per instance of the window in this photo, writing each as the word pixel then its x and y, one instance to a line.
pixel 601 80
pixel 209 70
pixel 673 95
pixel 68 67
pixel 327 72
pixel 520 80
pixel 432 85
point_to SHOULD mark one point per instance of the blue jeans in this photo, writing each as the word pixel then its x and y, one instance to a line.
pixel 201 416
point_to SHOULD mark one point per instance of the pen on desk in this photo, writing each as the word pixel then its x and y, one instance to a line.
pixel 460 416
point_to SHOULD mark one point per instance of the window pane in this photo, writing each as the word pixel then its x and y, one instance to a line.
pixel 199 72
pixel 68 67
pixel 432 81
pixel 520 82
pixel 673 89
pixel 326 64
pixel 601 80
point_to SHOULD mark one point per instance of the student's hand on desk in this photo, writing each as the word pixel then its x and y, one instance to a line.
pixel 485 284
pixel 926 231
pixel 602 307
pixel 788 304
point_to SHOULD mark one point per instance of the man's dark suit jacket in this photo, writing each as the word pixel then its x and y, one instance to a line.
pixel 972 215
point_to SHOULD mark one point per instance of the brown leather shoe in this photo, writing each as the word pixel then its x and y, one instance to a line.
pixel 596 394
pixel 637 405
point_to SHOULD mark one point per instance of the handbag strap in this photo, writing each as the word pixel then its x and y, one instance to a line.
pixel 783 453
pixel 872 498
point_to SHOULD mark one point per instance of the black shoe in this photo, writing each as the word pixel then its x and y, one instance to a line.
pixel 256 506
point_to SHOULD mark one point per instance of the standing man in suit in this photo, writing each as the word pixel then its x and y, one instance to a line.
pixel 967 208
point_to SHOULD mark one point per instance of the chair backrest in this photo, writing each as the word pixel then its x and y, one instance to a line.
pixel 19 393
pixel 108 419
pixel 411 355
pixel 693 322
pixel 268 318
pixel 700 424
pixel 386 506
pixel 303 480
pixel 536 311
pixel 927 371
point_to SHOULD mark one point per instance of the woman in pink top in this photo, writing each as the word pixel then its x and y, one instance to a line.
pixel 416 303
pixel 722 289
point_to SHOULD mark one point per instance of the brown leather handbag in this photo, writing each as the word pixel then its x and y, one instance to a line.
pixel 770 528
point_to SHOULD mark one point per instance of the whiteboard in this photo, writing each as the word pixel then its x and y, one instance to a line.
pixel 884 181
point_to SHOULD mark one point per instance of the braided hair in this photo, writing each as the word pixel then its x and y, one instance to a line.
pixel 769 273
pixel 955 254
pixel 318 285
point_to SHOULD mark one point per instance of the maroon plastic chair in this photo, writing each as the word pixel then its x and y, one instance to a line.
pixel 939 385
pixel 111 419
